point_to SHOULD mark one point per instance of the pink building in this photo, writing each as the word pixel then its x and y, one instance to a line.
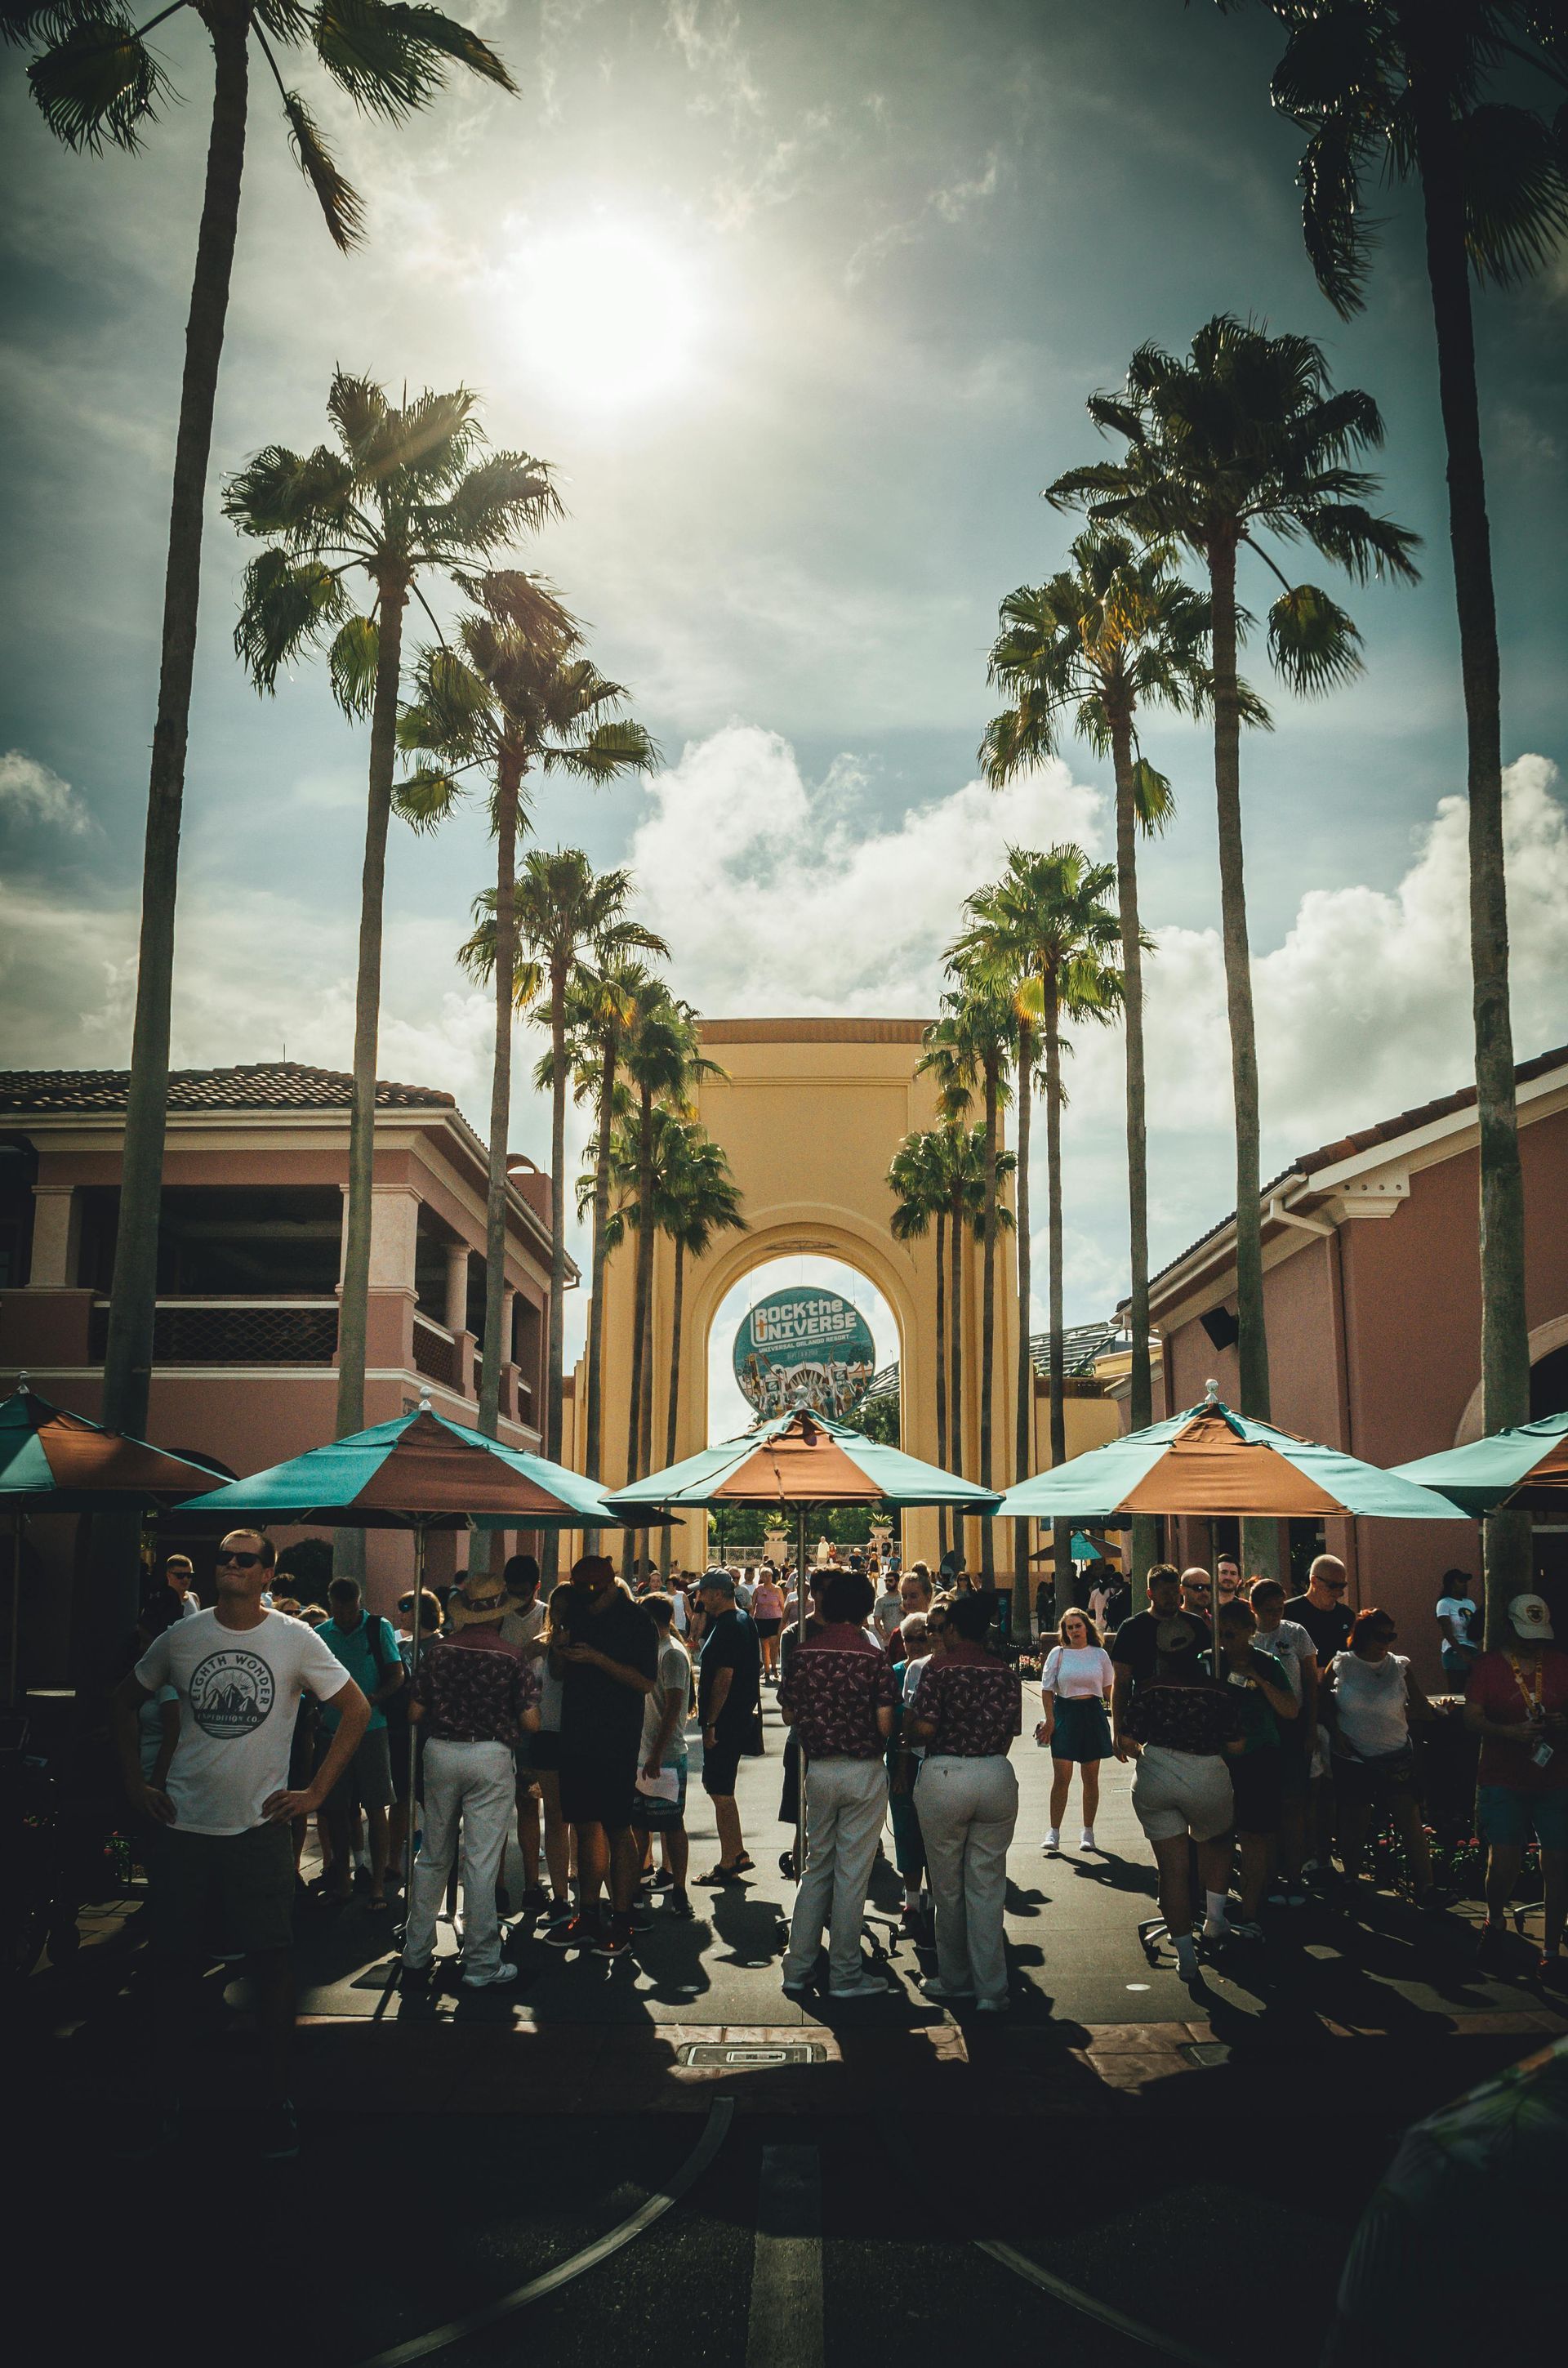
pixel 249 1258
pixel 1372 1296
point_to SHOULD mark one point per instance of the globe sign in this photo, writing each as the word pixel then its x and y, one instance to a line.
pixel 804 1347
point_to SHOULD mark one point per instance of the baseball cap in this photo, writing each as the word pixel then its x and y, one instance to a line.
pixel 1531 1618
pixel 719 1580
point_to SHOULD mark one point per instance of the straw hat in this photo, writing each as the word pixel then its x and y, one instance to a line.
pixel 480 1599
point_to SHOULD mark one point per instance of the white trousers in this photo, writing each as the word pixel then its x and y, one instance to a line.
pixel 473 1784
pixel 967 1809
pixel 845 1803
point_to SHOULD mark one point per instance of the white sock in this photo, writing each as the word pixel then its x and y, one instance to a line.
pixel 1053 1839
pixel 1187 1956
pixel 1215 1902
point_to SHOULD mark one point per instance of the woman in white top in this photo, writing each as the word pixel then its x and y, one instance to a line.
pixel 1074 1687
pixel 1373 1694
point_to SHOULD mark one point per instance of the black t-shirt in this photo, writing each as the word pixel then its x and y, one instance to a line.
pixel 731 1644
pixel 1118 1603
pixel 1329 1630
pixel 598 1712
pixel 1135 1641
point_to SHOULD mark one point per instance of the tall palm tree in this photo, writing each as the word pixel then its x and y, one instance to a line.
pixel 977 1033
pixel 660 1060
pixel 920 1196
pixel 516 696
pixel 1239 438
pixel 1400 92
pixel 1046 929
pixel 405 494
pixel 98 84
pixel 600 1003
pixel 1116 632
pixel 566 913
pixel 700 1199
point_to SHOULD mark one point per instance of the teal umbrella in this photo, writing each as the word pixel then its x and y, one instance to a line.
pixel 800 1459
pixel 419 1472
pixel 1523 1469
pixel 1209 1462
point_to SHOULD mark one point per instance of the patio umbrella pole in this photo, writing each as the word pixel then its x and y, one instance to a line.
pixel 800 1640
pixel 413 1729
pixel 13 1672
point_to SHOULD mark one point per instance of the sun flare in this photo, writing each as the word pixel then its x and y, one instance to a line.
pixel 610 315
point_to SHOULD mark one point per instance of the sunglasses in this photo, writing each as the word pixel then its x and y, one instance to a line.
pixel 240 1561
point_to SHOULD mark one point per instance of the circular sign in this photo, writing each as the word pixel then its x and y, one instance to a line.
pixel 804 1347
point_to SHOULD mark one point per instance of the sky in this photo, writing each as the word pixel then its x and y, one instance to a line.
pixel 803 306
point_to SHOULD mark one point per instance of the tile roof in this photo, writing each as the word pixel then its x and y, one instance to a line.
pixel 252 1085
pixel 1388 1130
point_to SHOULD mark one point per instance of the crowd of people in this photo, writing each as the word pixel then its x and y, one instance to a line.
pixel 1265 1732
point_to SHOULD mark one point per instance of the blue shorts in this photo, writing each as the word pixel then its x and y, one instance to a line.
pixel 651 1816
pixel 1508 1816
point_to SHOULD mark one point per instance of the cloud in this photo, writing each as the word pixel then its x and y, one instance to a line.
pixel 949 203
pixel 32 793
pixel 776 895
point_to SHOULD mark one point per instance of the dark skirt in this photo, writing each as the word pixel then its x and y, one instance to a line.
pixel 1080 1730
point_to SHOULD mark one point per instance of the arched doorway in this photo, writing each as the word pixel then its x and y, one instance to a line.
pixel 810 1113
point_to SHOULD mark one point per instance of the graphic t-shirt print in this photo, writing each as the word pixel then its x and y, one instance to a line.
pixel 232 1692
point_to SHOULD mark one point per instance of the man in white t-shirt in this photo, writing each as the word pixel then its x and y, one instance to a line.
pixel 1457 1628
pixel 226 1870
pixel 523 1627
pixel 887 1611
pixel 180 1574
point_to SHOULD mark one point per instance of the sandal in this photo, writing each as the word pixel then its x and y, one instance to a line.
pixel 376 1907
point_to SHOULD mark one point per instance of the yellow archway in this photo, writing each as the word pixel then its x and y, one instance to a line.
pixel 810 1113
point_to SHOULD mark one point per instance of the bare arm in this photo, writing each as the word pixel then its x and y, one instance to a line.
pixel 722 1680
pixel 622 1674
pixel 354 1717
pixel 666 1737
pixel 1120 1694
pixel 1416 1695
pixel 168 1722
pixel 123 1705
pixel 884 1720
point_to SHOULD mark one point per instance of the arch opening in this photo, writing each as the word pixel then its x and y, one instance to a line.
pixel 841 1374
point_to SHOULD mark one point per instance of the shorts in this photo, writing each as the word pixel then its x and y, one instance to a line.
pixel 598 1787
pixel 767 1627
pixel 1257 1781
pixel 544 1750
pixel 367 1781
pixel 1176 1792
pixel 651 1816
pixel 1080 1731
pixel 219 1894
pixel 721 1766
pixel 1374 1783
pixel 1506 1817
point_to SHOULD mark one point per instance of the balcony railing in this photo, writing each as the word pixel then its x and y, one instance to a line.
pixel 233 1332
pixel 435 1352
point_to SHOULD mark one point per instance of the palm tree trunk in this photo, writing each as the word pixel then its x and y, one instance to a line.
pixel 988 1324
pixel 955 1251
pixel 942 1368
pixel 556 1208
pixel 1023 1425
pixel 1505 1330
pixel 676 1297
pixel 1260 1539
pixel 1061 1532
pixel 508 779
pixel 1141 1377
pixel 128 1357
pixel 393 590
pixel 640 1348
pixel 592 1460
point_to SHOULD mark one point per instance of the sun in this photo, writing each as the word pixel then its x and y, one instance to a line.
pixel 609 315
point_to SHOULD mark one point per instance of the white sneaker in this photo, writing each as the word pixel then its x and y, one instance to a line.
pixel 939 1990
pixel 868 1986
pixel 1187 1956
pixel 1087 1839
pixel 1052 1843
pixel 504 1973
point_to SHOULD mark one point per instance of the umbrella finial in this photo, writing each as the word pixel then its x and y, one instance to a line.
pixel 425 1405
pixel 1212 1390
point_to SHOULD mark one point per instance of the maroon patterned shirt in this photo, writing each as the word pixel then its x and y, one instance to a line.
pixel 976 1707
pixel 836 1682
pixel 474 1689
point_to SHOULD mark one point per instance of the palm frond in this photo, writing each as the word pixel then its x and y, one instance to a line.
pixel 426 798
pixel 609 748
pixel 391 59
pixel 291 494
pixel 1312 641
pixel 503 495
pixel 1151 796
pixel 285 604
pixel 341 206
pixel 1515 192
pixel 351 666
pixel 97 84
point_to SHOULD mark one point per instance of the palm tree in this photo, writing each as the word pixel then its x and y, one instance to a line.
pixel 97 84
pixel 407 495
pixel 565 913
pixel 915 1181
pixel 1239 438
pixel 701 1198
pixel 977 1035
pixel 661 1062
pixel 517 696
pixel 1114 632
pixel 600 1003
pixel 1399 92
pixel 1045 928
